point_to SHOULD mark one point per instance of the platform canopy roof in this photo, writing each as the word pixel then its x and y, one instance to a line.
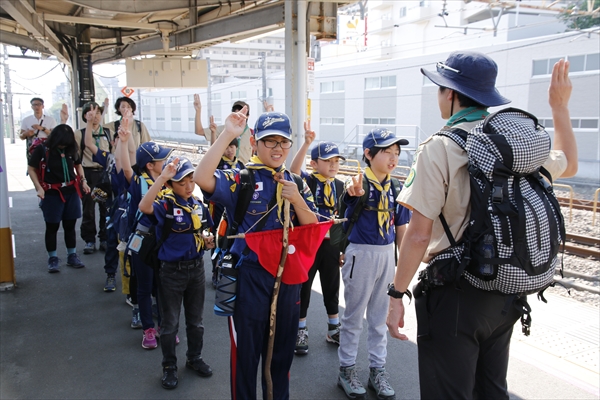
pixel 125 28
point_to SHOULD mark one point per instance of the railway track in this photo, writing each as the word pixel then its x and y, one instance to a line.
pixel 583 246
pixel 578 204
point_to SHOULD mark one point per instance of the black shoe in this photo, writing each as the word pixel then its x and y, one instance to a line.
pixel 198 365
pixel 169 379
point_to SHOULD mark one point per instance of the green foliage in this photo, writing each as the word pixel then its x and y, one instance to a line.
pixel 576 16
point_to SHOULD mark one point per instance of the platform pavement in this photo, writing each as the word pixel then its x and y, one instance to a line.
pixel 62 337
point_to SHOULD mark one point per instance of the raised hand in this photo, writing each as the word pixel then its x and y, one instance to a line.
pixel 355 188
pixel 197 104
pixel 90 115
pixel 560 88
pixel 64 113
pixel 212 126
pixel 268 107
pixel 170 169
pixel 123 133
pixel 106 104
pixel 127 118
pixel 309 135
pixel 235 123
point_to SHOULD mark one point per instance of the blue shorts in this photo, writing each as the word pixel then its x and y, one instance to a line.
pixel 55 210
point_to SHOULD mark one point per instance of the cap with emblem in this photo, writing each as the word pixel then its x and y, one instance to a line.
pixel 272 123
pixel 325 151
pixel 150 152
pixel 184 168
pixel 381 137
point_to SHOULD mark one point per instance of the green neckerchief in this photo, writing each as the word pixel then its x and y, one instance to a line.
pixel 468 114
pixel 65 166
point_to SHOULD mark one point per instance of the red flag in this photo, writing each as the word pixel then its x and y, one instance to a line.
pixel 304 241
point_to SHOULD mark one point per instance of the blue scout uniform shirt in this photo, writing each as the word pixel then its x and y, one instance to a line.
pixel 216 209
pixel 366 228
pixel 135 190
pixel 227 193
pixel 325 213
pixel 180 244
pixel 117 180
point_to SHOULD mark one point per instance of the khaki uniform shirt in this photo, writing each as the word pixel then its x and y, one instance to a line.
pixel 439 183
pixel 138 137
pixel 245 149
pixel 87 157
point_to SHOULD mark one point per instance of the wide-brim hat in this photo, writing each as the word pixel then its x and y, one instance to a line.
pixel 471 74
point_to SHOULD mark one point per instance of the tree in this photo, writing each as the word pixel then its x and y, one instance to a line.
pixel 579 14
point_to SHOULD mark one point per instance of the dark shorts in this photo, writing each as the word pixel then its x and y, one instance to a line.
pixel 55 210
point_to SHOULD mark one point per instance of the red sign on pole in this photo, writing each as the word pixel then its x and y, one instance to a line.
pixel 127 91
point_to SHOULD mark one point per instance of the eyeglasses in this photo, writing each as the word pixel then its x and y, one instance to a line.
pixel 271 144
pixel 441 65
pixel 36 104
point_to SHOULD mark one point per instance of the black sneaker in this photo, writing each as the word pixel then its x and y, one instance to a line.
pixel 53 265
pixel 302 341
pixel 102 246
pixel 169 378
pixel 198 365
pixel 111 283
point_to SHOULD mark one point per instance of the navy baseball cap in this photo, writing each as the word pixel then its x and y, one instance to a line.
pixel 471 74
pixel 184 168
pixel 150 152
pixel 381 137
pixel 325 151
pixel 272 123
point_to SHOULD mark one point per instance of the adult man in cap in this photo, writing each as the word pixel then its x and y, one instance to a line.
pixel 464 356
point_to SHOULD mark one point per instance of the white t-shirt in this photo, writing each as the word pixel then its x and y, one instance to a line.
pixel 46 121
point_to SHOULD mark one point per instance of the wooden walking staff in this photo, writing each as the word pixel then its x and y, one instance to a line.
pixel 272 318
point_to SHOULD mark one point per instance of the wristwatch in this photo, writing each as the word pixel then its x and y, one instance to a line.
pixel 392 292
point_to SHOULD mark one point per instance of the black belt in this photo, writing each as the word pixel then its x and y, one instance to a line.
pixel 94 168
pixel 188 264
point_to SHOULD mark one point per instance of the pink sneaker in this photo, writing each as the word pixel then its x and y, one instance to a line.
pixel 149 340
pixel 158 336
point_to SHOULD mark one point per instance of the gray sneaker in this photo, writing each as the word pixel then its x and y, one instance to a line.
pixel 302 341
pixel 379 382
pixel 136 322
pixel 333 333
pixel 349 382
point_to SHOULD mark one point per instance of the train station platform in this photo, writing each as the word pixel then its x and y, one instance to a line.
pixel 63 337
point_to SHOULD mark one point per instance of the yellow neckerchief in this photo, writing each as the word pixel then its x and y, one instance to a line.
pixel 168 194
pixel 228 161
pixel 382 216
pixel 256 163
pixel 328 196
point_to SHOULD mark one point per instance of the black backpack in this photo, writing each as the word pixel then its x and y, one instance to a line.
pixel 339 235
pixel 515 226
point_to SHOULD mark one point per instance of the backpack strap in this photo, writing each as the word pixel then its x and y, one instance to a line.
pixel 82 144
pixel 167 226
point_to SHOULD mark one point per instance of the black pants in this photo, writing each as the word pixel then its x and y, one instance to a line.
pixel 466 353
pixel 327 262
pixel 88 220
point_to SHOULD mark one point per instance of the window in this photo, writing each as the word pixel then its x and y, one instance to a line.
pixel 259 41
pixel 145 101
pixel 190 98
pixel 326 87
pixel 175 100
pixel 325 121
pixel 234 52
pixel 338 86
pixel 215 97
pixel 240 95
pixel 576 123
pixel 268 41
pixel 191 119
pixel 580 63
pixel 588 124
pixel 337 121
pixel 159 100
pixel 380 121
pixel 402 12
pixel 175 119
pixel 145 118
pixel 278 67
pixel 252 53
pixel 160 119
pixel 380 82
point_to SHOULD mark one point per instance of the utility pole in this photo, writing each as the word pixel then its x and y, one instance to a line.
pixel 9 98
pixel 263 56
pixel 208 91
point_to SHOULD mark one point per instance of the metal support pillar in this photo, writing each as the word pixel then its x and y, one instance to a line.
pixel 84 67
pixel 263 59
pixel 9 98
pixel 300 64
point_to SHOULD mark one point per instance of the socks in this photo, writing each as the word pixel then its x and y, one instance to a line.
pixel 334 321
pixel 302 324
pixel 72 251
pixel 52 254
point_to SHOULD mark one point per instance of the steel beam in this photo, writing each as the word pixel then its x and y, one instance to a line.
pixel 22 12
pixel 139 6
pixel 205 33
pixel 15 39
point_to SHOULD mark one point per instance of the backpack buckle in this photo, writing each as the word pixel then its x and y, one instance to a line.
pixel 497 195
